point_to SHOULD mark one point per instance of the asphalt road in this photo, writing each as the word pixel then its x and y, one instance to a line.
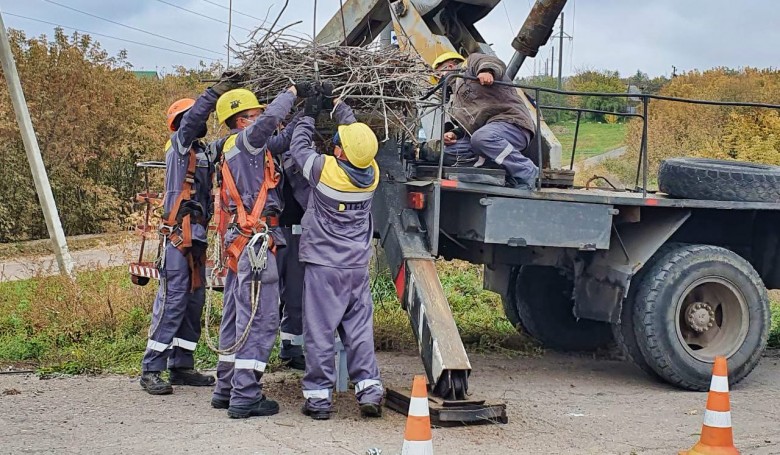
pixel 109 256
pixel 557 404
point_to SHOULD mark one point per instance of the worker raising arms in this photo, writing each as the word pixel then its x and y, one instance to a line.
pixel 189 171
pixel 336 249
pixel 250 317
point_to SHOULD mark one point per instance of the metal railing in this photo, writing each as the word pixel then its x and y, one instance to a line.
pixel 645 98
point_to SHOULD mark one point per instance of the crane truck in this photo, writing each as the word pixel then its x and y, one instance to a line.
pixel 673 277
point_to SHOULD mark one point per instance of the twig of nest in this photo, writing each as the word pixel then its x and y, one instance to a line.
pixel 382 85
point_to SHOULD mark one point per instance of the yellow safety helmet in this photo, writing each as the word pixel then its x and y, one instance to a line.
pixel 236 101
pixel 359 144
pixel 450 55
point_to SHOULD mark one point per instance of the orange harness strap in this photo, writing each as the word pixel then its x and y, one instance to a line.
pixel 248 224
pixel 183 242
pixel 187 191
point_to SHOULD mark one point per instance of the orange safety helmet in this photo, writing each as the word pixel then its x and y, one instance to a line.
pixel 178 107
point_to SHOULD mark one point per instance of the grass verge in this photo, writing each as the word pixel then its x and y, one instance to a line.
pixel 98 324
pixel 593 138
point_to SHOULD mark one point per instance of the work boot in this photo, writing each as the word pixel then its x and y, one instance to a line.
pixel 263 407
pixel 189 376
pixel 154 384
pixel 370 410
pixel 316 414
pixel 220 403
pixel 296 362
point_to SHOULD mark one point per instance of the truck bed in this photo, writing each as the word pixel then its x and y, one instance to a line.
pixel 602 196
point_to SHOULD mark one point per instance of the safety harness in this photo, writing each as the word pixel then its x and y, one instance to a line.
pixel 176 228
pixel 254 225
pixel 253 229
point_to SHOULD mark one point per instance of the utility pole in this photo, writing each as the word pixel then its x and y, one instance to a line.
pixel 552 61
pixel 42 187
pixel 560 55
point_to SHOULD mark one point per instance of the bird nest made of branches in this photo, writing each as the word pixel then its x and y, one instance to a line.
pixel 381 84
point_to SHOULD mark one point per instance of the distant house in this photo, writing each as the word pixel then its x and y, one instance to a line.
pixel 146 74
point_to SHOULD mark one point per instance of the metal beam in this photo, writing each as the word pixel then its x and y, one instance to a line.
pixel 363 21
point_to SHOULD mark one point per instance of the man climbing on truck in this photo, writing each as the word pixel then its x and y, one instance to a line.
pixel 489 121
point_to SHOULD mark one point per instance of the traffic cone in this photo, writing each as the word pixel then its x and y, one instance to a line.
pixel 716 436
pixel 418 439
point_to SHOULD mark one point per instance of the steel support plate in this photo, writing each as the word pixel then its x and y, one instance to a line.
pixel 450 413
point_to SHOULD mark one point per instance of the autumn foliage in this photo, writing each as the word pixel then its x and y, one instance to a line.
pixel 747 134
pixel 94 119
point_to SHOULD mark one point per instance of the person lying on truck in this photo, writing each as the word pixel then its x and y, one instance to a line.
pixel 336 249
pixel 491 121
pixel 189 170
pixel 250 318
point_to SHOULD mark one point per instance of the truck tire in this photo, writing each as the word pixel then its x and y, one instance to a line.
pixel 719 180
pixel 697 302
pixel 624 333
pixel 541 300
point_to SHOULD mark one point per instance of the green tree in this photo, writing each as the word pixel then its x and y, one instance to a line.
pixel 646 84
pixel 598 82
pixel 548 99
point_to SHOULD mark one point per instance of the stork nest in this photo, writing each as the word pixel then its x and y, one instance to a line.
pixel 381 84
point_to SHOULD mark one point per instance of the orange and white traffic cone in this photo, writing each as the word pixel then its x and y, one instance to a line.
pixel 418 439
pixel 716 436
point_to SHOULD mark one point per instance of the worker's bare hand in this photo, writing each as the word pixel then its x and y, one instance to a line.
pixel 450 138
pixel 485 78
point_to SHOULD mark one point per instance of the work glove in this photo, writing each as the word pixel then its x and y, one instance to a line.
pixel 306 89
pixel 313 106
pixel 229 80
pixel 327 96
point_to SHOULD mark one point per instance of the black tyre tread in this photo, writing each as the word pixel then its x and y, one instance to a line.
pixel 649 289
pixel 555 332
pixel 624 333
pixel 719 180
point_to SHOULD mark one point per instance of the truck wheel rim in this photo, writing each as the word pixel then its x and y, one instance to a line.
pixel 712 318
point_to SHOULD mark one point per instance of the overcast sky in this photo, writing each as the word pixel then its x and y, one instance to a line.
pixel 623 35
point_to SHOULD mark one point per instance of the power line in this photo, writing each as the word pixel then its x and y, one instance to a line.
pixel 111 37
pixel 202 15
pixel 506 11
pixel 234 10
pixel 131 27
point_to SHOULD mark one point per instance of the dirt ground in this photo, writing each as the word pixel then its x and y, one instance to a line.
pixel 556 404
